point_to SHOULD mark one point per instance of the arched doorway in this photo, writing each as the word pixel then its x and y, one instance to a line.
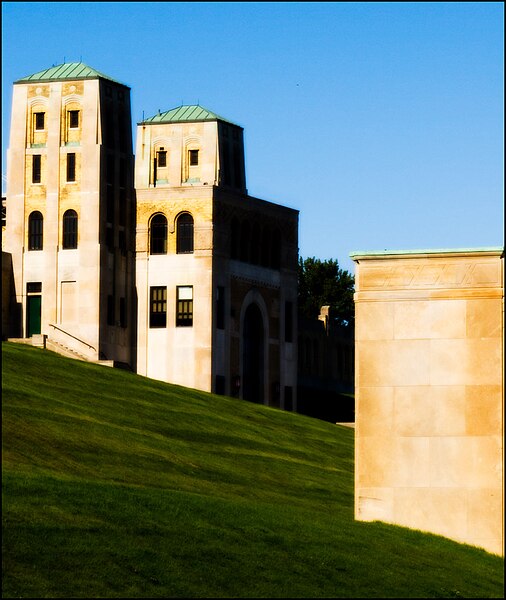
pixel 253 355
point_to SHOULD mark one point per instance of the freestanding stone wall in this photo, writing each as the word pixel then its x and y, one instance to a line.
pixel 429 392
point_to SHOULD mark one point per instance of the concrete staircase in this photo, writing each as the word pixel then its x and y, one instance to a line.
pixel 44 342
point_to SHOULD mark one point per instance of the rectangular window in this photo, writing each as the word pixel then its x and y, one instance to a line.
pixel 36 162
pixel 73 119
pixel 184 306
pixel 162 158
pixel 158 306
pixel 39 120
pixel 194 158
pixel 71 167
pixel 288 322
pixel 219 386
pixel 220 307
pixel 34 287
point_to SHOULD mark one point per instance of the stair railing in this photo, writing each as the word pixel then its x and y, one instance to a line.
pixel 72 336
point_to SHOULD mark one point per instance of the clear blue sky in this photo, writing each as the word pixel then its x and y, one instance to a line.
pixel 382 123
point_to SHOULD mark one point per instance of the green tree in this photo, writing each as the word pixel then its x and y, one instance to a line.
pixel 324 283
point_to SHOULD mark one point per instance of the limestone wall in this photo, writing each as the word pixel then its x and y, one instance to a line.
pixel 429 392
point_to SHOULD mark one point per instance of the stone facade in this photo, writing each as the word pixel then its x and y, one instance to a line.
pixel 430 392
pixel 184 277
pixel 240 265
pixel 70 153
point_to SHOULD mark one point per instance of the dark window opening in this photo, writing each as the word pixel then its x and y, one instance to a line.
pixel 158 238
pixel 36 168
pixel 158 306
pixel 219 386
pixel 73 119
pixel 69 240
pixel 162 158
pixel 184 309
pixel 34 287
pixel 35 229
pixel 71 167
pixel 39 120
pixel 184 241
pixel 194 158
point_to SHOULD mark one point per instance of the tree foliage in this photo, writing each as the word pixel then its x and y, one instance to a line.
pixel 324 283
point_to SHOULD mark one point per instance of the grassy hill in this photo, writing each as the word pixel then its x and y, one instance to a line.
pixel 115 485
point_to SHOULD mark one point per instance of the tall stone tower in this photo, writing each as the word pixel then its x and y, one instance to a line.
pixel 216 269
pixel 70 202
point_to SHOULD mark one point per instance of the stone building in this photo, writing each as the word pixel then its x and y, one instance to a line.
pixel 216 268
pixel 184 277
pixel 429 427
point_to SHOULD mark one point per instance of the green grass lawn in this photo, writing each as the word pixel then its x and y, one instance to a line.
pixel 115 485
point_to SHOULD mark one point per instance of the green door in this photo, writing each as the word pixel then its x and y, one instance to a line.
pixel 33 311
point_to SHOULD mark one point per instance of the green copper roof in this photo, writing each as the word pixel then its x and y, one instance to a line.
pixel 185 114
pixel 66 71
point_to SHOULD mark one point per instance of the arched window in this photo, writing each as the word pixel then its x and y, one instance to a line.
pixel 69 238
pixel 158 237
pixel 184 243
pixel 35 226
